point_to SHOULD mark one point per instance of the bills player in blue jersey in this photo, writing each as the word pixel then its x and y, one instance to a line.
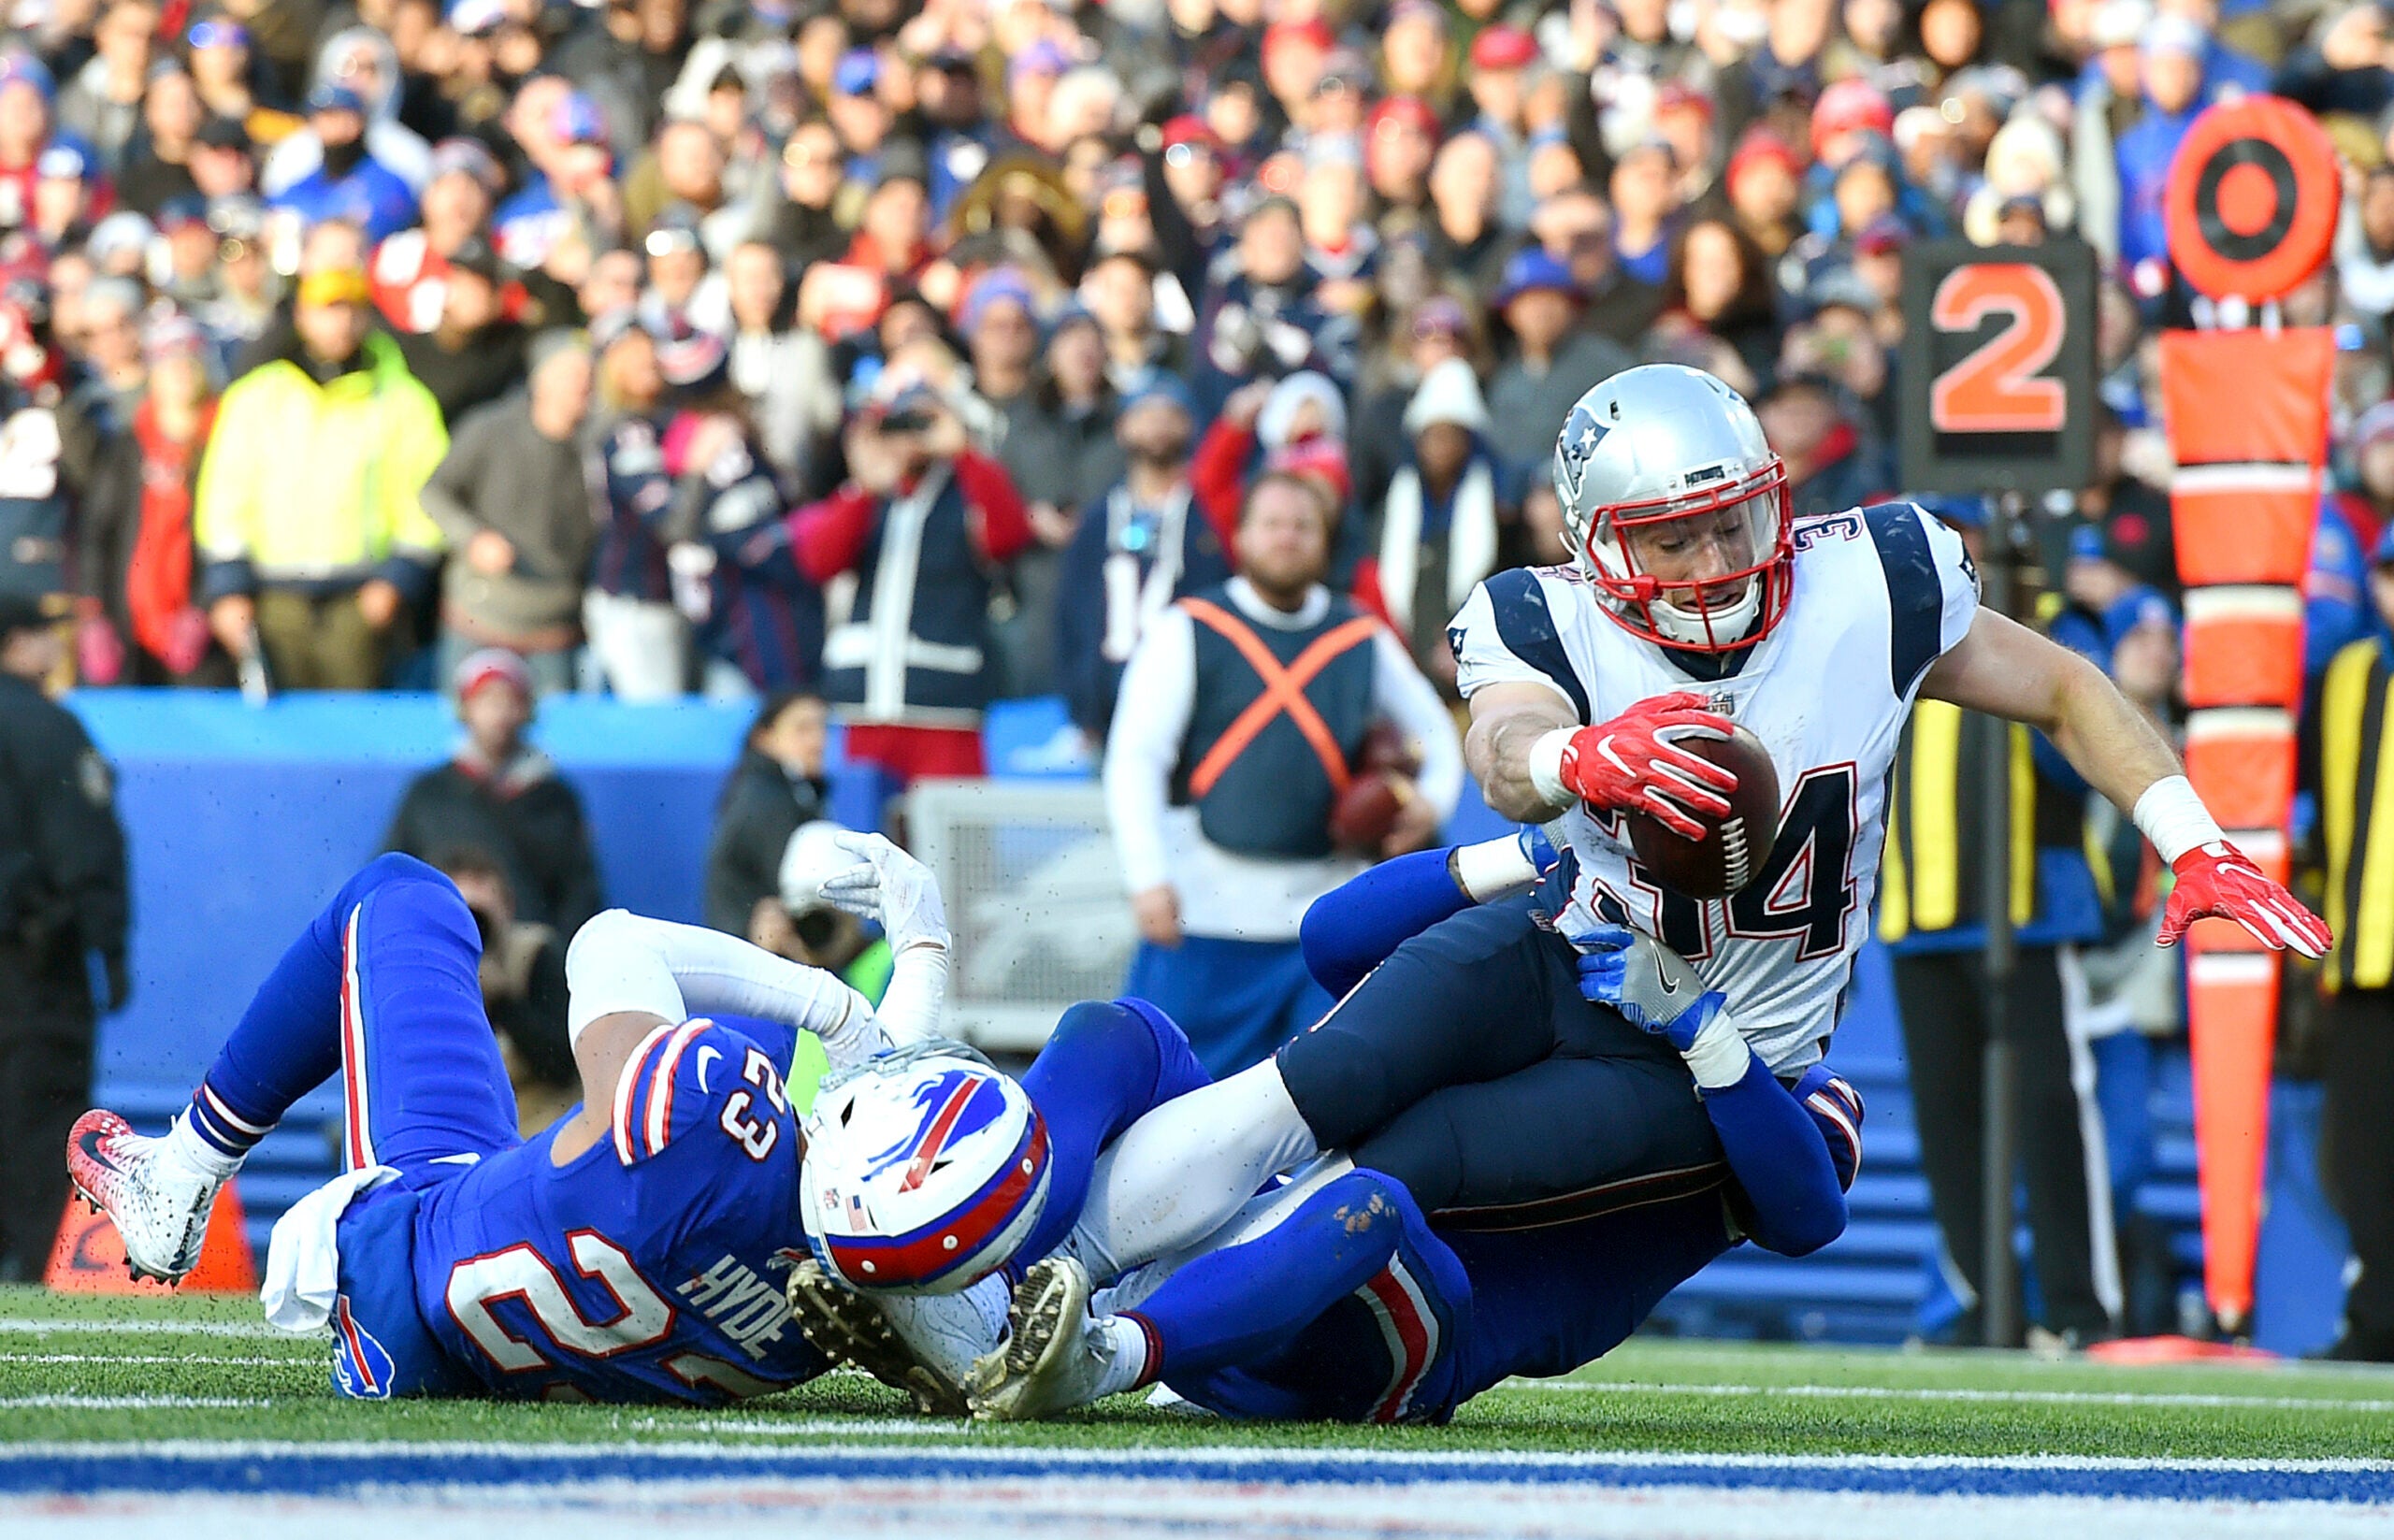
pixel 1332 1296
pixel 1468 1066
pixel 635 1251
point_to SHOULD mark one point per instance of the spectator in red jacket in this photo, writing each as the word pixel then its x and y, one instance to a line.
pixel 924 524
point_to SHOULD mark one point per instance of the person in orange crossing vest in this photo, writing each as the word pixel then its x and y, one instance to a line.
pixel 1241 721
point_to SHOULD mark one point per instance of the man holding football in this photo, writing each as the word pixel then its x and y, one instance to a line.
pixel 1468 1066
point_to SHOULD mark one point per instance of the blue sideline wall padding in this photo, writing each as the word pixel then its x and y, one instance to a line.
pixel 242 821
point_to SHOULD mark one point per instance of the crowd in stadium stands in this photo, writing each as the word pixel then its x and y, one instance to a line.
pixel 914 354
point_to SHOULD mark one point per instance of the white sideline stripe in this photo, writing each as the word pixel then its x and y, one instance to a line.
pixel 257 1362
pixel 1890 1392
pixel 1227 1454
pixel 888 1427
pixel 145 1329
pixel 1136 1508
pixel 129 1404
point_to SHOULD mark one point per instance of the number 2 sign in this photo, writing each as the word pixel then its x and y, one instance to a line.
pixel 1998 365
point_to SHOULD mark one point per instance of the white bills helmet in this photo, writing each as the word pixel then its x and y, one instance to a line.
pixel 1666 445
pixel 925 1169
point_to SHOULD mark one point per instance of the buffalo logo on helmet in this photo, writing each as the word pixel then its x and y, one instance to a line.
pixel 956 1106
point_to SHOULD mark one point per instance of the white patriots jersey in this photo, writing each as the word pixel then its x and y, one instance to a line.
pixel 1880 594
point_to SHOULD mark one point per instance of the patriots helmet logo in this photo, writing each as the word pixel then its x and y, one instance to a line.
pixel 1581 433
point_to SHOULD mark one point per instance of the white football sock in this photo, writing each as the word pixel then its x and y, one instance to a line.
pixel 1126 1362
pixel 1179 1173
pixel 184 1144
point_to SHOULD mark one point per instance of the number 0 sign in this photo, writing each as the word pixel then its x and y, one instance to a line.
pixel 1998 363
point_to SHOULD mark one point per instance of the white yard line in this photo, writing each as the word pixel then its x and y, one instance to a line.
pixel 241 1362
pixel 142 1328
pixel 889 1427
pixel 127 1404
pixel 730 1458
pixel 1889 1392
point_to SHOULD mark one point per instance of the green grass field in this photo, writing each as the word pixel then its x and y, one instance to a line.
pixel 207 1367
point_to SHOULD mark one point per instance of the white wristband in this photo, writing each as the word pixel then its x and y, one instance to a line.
pixel 1492 868
pixel 1546 766
pixel 2174 819
pixel 1719 1055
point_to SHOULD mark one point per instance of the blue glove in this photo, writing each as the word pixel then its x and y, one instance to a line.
pixel 1538 849
pixel 1652 986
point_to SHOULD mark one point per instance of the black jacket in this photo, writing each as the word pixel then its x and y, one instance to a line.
pixel 761 808
pixel 526 817
pixel 62 886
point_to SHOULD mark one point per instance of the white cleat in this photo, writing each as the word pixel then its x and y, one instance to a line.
pixel 1053 1358
pixel 847 1327
pixel 158 1203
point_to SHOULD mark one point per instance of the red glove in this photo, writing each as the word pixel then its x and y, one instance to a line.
pixel 2217 880
pixel 1631 763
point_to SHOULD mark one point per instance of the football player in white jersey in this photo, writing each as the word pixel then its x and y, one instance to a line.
pixel 1468 1066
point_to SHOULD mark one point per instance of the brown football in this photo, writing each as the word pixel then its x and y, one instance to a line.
pixel 1362 817
pixel 1734 848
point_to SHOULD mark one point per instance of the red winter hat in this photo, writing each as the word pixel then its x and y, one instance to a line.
pixel 1188 128
pixel 1677 96
pixel 1503 48
pixel 1756 146
pixel 1851 103
pixel 1319 459
pixel 1316 32
pixel 1411 111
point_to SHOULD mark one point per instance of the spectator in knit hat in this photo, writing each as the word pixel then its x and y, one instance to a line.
pixel 140 561
pixel 512 500
pixel 499 795
pixel 1438 528
pixel 1141 544
pixel 1261 419
pixel 410 270
pixel 1400 141
pixel 1262 320
pixel 1765 185
pixel 307 515
pixel 2170 69
pixel 1500 58
pixel 347 182
pixel 923 524
pixel 1551 361
pixel 474 353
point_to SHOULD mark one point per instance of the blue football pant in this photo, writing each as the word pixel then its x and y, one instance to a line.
pixel 1103 1067
pixel 1237 999
pixel 1469 1067
pixel 384 988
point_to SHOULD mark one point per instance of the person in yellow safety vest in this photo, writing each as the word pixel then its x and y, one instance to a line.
pixel 2348 766
pixel 1929 918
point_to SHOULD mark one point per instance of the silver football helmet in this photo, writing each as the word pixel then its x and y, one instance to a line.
pixel 1677 507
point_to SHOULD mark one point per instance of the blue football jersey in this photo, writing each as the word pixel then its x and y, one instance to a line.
pixel 649 1268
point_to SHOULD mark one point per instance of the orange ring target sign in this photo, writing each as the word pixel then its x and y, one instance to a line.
pixel 2252 200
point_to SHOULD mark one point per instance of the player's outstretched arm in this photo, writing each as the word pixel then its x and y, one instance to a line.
pixel 1352 928
pixel 2005 670
pixel 1534 758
